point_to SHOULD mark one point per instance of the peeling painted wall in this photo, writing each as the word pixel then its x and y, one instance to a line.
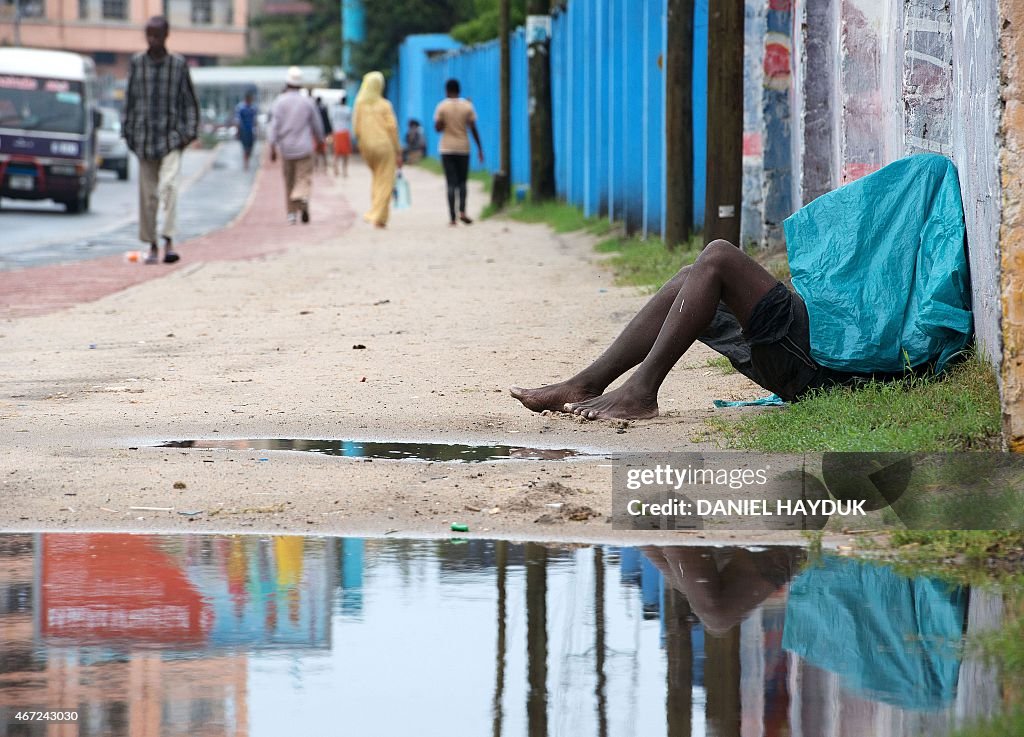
pixel 767 121
pixel 975 114
pixel 814 65
pixel 754 29
pixel 882 79
pixel 861 125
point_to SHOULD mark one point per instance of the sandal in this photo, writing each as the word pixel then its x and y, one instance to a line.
pixel 169 255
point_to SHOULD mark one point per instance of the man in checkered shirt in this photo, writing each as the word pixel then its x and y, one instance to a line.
pixel 161 119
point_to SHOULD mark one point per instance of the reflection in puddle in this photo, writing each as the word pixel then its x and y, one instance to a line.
pixel 394 451
pixel 237 635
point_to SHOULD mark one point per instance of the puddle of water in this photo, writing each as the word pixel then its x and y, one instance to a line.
pixel 245 635
pixel 440 452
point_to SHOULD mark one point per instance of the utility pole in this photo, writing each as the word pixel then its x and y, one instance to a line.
pixel 542 147
pixel 725 122
pixel 500 187
pixel 679 123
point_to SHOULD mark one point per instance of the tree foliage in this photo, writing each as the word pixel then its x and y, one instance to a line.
pixel 313 39
pixel 484 25
pixel 387 23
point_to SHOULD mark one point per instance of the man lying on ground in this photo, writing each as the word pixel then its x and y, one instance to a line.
pixel 880 273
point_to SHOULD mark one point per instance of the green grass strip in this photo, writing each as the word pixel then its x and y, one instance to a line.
pixel 956 411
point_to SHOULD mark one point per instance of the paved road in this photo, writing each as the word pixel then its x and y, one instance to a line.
pixel 36 233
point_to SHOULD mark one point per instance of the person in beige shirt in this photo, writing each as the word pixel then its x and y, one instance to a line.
pixel 455 119
pixel 376 131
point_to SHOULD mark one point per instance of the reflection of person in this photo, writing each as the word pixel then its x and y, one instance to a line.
pixel 415 143
pixel 376 131
pixel 245 119
pixel 341 122
pixel 723 585
pixel 294 128
pixel 161 119
pixel 454 118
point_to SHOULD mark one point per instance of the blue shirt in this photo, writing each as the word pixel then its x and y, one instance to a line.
pixel 245 114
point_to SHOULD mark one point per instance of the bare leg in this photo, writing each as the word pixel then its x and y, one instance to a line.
pixel 723 598
pixel 625 352
pixel 722 273
pixel 657 337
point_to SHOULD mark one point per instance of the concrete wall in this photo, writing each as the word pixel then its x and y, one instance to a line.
pixel 768 159
pixel 752 215
pixel 881 79
pixel 975 115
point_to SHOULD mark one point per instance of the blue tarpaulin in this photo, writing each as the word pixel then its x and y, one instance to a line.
pixel 882 266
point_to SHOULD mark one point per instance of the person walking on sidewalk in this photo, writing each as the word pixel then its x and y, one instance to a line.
pixel 453 117
pixel 161 119
pixel 341 122
pixel 376 131
pixel 245 119
pixel 321 146
pixel 295 128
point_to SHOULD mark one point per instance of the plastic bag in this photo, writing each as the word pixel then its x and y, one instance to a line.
pixel 402 195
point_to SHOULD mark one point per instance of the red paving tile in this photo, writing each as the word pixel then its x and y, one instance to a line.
pixel 260 230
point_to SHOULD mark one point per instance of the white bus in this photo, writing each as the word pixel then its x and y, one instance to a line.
pixel 48 121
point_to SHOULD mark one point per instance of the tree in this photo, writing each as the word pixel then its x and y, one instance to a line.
pixel 387 23
pixel 312 39
pixel 484 26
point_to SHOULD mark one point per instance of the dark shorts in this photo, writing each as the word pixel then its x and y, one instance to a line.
pixel 775 349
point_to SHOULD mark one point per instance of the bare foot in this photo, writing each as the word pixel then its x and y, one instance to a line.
pixel 553 397
pixel 620 404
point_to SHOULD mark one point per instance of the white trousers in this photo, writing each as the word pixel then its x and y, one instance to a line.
pixel 158 190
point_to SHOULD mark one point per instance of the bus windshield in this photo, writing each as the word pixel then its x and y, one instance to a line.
pixel 41 104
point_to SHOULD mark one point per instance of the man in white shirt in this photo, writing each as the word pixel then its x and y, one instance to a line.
pixel 295 128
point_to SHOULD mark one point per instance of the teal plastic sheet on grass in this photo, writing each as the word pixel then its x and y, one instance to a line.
pixel 772 400
pixel 881 264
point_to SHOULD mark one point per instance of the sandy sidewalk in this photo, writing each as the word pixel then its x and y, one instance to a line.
pixel 264 348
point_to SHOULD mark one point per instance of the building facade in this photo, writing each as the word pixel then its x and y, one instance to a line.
pixel 204 31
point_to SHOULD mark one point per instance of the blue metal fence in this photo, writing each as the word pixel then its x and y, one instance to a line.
pixel 608 106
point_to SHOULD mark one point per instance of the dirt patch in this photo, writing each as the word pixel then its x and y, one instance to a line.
pixel 263 348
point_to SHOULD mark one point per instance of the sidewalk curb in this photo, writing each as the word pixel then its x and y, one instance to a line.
pixel 254 232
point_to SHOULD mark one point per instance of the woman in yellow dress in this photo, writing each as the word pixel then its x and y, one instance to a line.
pixel 376 131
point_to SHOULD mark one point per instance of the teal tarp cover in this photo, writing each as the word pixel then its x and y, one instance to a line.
pixel 892 638
pixel 881 264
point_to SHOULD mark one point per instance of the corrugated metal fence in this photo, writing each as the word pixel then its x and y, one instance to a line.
pixel 608 99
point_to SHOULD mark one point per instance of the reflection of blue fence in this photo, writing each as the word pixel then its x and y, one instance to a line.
pixel 608 105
